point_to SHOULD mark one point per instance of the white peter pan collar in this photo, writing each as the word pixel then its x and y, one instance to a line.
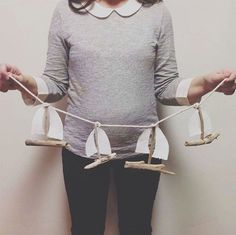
pixel 127 9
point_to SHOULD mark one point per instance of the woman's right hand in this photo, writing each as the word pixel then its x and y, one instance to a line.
pixel 5 82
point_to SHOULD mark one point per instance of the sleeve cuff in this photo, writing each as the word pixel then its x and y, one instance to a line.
pixel 42 92
pixel 182 92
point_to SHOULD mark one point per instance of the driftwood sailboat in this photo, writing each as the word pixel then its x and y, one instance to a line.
pixel 47 128
pixel 98 144
pixel 200 127
pixel 153 142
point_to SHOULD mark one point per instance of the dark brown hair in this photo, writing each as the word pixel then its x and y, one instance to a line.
pixel 77 9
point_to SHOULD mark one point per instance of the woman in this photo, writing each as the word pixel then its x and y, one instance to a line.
pixel 114 59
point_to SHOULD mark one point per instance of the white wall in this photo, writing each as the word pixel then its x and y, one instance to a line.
pixel 200 199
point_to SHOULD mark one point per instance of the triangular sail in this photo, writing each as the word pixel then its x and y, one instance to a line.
pixel 103 143
pixel 143 140
pixel 194 126
pixel 47 124
pixel 161 144
pixel 55 125
pixel 38 124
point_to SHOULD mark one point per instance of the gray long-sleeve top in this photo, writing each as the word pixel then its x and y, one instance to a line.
pixel 114 70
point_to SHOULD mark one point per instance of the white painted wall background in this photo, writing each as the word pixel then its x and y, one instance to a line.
pixel 200 199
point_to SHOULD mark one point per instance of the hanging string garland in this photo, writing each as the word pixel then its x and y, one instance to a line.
pixel 47 130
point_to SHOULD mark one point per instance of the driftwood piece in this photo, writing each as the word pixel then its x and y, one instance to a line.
pixel 152 142
pixel 101 160
pixel 202 125
pixel 50 143
pixel 46 121
pixel 96 140
pixel 145 166
pixel 207 140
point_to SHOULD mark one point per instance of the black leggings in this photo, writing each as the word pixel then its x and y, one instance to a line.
pixel 87 192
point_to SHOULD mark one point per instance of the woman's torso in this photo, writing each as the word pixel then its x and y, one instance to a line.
pixel 111 75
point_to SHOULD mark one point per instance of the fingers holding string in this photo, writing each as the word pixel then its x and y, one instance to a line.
pixel 6 83
pixel 229 85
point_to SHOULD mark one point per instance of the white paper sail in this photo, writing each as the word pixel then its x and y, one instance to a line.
pixel 47 126
pixel 161 146
pixel 142 144
pixel 55 125
pixel 194 126
pixel 103 143
pixel 37 128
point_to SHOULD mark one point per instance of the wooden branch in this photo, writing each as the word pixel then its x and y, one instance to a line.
pixel 207 140
pixel 101 160
pixel 46 120
pixel 96 140
pixel 139 164
pixel 201 122
pixel 152 142
pixel 145 166
pixel 50 143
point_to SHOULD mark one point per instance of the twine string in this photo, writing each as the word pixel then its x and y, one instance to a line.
pixel 115 125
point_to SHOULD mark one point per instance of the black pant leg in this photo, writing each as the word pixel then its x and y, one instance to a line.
pixel 136 191
pixel 87 192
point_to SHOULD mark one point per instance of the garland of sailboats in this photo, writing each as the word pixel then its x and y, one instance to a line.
pixel 47 130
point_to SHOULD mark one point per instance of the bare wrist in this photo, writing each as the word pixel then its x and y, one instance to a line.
pixel 197 89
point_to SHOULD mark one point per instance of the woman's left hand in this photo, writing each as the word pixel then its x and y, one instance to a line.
pixel 213 79
pixel 206 83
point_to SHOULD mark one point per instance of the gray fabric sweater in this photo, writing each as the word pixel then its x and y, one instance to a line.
pixel 114 70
